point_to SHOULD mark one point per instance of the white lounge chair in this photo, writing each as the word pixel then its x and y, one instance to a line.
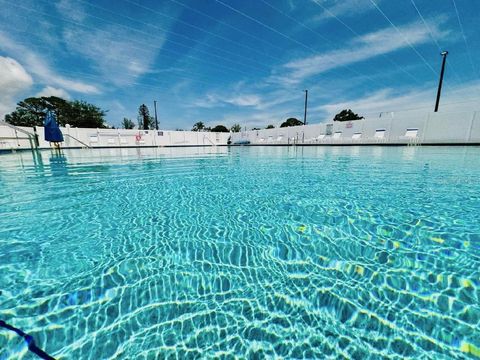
pixel 320 137
pixel 411 133
pixel 356 136
pixel 380 135
pixel 337 135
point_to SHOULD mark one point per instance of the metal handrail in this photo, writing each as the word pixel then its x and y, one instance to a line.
pixel 211 142
pixel 32 138
pixel 81 142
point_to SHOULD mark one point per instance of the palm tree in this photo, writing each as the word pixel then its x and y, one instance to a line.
pixel 198 126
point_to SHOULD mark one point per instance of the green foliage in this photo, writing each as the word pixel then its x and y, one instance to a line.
pixel 145 121
pixel 270 127
pixel 347 115
pixel 127 124
pixel 198 126
pixel 86 115
pixel 219 128
pixel 236 128
pixel 291 122
pixel 31 112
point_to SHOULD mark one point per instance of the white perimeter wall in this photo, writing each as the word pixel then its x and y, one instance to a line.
pixel 433 128
pixel 74 137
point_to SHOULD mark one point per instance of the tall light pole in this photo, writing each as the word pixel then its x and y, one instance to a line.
pixel 155 107
pixel 305 113
pixel 439 91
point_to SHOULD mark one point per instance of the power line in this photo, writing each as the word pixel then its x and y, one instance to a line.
pixel 371 79
pixel 357 34
pixel 102 78
pixel 330 41
pixel 265 25
pixel 194 27
pixel 292 39
pixel 142 43
pixel 228 25
pixel 406 39
pixel 230 53
pixel 431 35
pixel 464 37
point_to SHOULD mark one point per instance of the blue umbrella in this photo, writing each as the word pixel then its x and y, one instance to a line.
pixel 52 131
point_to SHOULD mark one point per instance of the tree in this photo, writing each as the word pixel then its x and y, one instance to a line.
pixel 198 126
pixel 236 128
pixel 347 115
pixel 31 112
pixel 83 114
pixel 270 127
pixel 291 122
pixel 219 128
pixel 145 121
pixel 127 124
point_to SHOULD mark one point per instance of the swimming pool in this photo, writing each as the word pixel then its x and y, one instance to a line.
pixel 257 252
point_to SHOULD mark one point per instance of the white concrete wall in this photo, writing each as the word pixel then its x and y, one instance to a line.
pixel 79 137
pixel 433 128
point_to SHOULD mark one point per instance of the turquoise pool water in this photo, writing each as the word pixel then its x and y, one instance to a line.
pixel 258 252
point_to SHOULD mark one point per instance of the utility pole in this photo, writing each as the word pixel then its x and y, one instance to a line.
pixel 155 107
pixel 440 83
pixel 305 113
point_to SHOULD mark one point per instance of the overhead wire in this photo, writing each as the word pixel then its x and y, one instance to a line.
pixel 432 36
pixel 230 53
pixel 314 51
pixel 330 41
pixel 226 24
pixel 236 43
pixel 405 38
pixel 464 38
pixel 143 44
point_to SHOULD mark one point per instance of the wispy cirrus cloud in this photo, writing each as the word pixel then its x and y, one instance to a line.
pixel 118 52
pixel 42 71
pixel 361 48
pixel 212 100
pixel 344 8
pixel 456 98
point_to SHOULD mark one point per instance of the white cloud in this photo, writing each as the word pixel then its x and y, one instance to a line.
pixel 118 52
pixel 342 8
pixel 359 49
pixel 14 79
pixel 71 10
pixel 212 100
pixel 38 67
pixel 463 97
pixel 244 100
pixel 52 91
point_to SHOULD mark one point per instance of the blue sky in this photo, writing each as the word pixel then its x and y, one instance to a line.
pixel 247 62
